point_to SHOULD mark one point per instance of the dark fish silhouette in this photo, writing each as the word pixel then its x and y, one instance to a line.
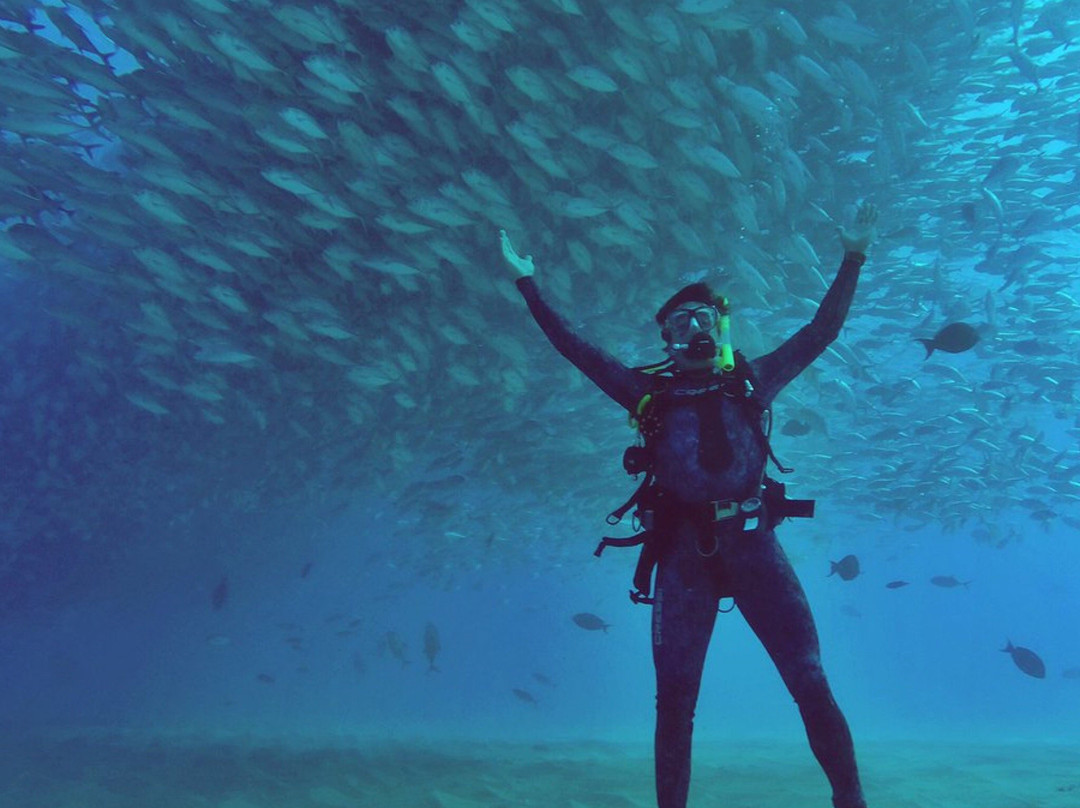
pixel 266 678
pixel 432 646
pixel 1026 660
pixel 947 581
pixel 525 696
pixel 544 680
pixel 391 642
pixel 1035 347
pixel 953 338
pixel 847 568
pixel 795 428
pixel 895 584
pixel 1002 169
pixel 305 570
pixel 967 213
pixel 220 594
pixel 1028 69
pixel 590 622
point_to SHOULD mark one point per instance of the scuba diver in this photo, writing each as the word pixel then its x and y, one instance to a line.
pixel 707 508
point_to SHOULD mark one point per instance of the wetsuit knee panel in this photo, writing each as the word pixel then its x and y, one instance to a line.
pixel 808 684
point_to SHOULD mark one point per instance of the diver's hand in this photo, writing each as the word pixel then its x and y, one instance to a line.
pixel 522 266
pixel 859 237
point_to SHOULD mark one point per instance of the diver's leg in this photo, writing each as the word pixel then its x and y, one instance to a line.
pixel 684 612
pixel 772 600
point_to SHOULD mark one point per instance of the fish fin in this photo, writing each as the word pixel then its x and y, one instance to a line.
pixel 929 345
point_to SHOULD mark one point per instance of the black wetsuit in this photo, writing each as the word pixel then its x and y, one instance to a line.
pixel 700 564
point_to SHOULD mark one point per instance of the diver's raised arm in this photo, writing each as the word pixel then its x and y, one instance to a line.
pixel 776 369
pixel 622 384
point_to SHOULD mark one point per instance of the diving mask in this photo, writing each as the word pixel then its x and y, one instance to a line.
pixel 683 323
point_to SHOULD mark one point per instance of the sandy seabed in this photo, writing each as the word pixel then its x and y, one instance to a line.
pixel 118 771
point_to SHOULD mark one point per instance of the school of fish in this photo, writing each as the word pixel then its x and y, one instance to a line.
pixel 250 256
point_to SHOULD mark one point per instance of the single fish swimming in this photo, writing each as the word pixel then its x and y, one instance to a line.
pixel 953 338
pixel 432 646
pixel 1026 660
pixel 948 581
pixel 847 568
pixel 590 622
pixel 525 696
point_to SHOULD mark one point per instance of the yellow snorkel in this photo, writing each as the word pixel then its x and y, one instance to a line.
pixel 725 359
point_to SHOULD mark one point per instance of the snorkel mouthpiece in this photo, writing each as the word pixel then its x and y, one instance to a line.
pixel 702 346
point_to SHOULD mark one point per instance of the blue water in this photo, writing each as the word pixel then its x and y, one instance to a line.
pixel 108 622
pixel 920 661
